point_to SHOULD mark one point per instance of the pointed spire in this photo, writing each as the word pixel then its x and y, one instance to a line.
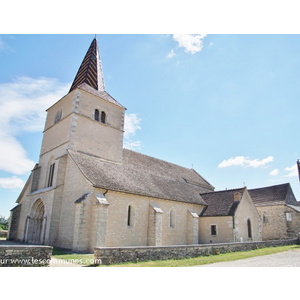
pixel 90 71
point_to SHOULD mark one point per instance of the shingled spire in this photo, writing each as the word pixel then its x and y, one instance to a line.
pixel 90 71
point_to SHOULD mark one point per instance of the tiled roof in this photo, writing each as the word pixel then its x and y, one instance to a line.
pixel 273 195
pixel 90 71
pixel 144 175
pixel 221 203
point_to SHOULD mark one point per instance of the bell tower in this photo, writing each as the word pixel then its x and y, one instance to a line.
pixel 87 119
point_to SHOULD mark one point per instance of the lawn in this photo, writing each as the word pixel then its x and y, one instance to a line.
pixel 87 259
pixel 80 259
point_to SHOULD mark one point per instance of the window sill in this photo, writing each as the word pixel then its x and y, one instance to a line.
pixel 43 190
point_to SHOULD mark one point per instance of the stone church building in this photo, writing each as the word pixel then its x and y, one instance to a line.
pixel 279 211
pixel 88 191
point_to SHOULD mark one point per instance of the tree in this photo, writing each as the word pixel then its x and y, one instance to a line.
pixel 3 223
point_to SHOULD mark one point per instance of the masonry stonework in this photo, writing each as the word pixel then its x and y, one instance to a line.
pixel 107 256
pixel 25 256
pixel 278 214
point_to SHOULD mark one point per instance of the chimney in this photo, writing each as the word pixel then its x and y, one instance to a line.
pixel 237 196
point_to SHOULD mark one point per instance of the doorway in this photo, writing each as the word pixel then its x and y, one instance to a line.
pixel 36 224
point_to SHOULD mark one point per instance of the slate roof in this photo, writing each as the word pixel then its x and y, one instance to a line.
pixel 221 203
pixel 273 195
pixel 144 175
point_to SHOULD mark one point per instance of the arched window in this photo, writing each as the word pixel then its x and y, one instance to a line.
pixel 57 117
pixel 130 215
pixel 51 166
pixel 96 115
pixel 249 228
pixel 50 175
pixel 103 117
pixel 172 218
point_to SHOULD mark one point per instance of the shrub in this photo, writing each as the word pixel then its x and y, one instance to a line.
pixel 216 251
pixel 3 223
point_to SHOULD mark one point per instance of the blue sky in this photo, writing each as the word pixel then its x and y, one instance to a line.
pixel 225 104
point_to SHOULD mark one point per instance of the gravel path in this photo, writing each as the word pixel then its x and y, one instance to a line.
pixel 284 259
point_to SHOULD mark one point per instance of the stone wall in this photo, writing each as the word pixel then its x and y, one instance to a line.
pixel 25 256
pixel 115 255
pixel 275 224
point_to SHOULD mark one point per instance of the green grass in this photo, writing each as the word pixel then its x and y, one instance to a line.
pixel 87 259
pixel 80 259
pixel 202 260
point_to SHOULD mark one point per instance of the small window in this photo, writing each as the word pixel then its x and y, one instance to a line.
pixel 96 115
pixel 103 117
pixel 172 218
pixel 265 219
pixel 57 117
pixel 249 229
pixel 288 217
pixel 50 176
pixel 213 230
pixel 130 216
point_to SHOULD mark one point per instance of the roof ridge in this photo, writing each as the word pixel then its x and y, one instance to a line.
pixel 271 186
pixel 222 191
pixel 159 159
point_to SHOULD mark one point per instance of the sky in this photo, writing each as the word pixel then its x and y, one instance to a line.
pixel 225 105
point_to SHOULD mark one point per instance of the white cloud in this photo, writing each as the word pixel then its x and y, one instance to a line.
pixel 245 162
pixel 23 102
pixel 259 163
pixel 131 125
pixel 192 43
pixel 293 171
pixel 22 109
pixel 13 157
pixel 171 54
pixel 11 183
pixel 274 172
pixel 132 145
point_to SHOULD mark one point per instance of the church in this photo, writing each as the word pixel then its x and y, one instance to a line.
pixel 88 191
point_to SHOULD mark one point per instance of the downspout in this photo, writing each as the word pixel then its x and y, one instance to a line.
pixel 233 229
